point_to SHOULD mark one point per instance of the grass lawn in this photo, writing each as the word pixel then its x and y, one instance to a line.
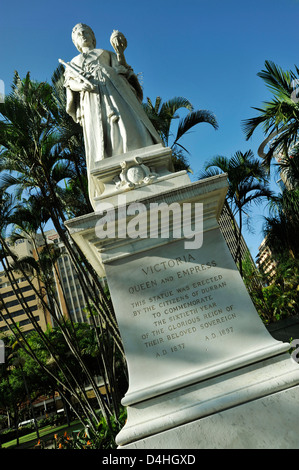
pixel 29 440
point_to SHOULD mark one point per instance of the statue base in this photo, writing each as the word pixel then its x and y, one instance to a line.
pixel 148 170
pixel 269 422
pixel 195 346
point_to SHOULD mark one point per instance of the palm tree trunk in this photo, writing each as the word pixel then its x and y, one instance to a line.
pixel 89 412
pixel 30 401
pixel 239 243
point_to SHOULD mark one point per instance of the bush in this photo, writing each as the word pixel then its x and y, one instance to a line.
pixel 10 434
pixel 103 438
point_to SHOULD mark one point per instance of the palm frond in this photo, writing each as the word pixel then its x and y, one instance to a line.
pixel 194 118
pixel 27 263
pixel 277 80
pixel 209 172
pixel 170 107
pixel 220 162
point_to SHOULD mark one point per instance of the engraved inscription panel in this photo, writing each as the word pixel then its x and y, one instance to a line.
pixel 180 310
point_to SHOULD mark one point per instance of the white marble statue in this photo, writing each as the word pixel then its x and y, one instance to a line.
pixel 104 96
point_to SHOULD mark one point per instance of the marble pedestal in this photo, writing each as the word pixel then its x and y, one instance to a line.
pixel 265 423
pixel 196 348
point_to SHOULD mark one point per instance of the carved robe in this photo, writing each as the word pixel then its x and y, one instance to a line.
pixel 112 117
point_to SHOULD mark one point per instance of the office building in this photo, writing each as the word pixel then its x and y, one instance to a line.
pixel 69 298
pixel 14 288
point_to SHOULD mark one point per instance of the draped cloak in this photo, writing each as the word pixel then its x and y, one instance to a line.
pixel 112 117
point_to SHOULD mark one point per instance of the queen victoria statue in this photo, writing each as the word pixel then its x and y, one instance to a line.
pixel 104 96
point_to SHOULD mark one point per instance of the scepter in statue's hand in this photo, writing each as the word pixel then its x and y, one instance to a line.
pixel 78 74
pixel 119 44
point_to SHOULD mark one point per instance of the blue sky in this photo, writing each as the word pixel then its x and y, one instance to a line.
pixel 207 51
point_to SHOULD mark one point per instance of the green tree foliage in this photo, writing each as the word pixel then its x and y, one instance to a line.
pixel 282 226
pixel 279 120
pixel 19 385
pixel 279 117
pixel 43 179
pixel 247 184
pixel 163 115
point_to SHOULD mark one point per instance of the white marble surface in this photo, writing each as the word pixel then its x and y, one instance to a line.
pixel 208 397
pixel 173 188
pixel 270 422
pixel 102 96
pixel 194 343
pixel 154 163
pixel 184 315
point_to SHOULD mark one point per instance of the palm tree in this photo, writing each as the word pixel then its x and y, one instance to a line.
pixel 8 397
pixel 162 116
pixel 18 362
pixel 282 226
pixel 35 161
pixel 279 117
pixel 247 184
pixel 32 161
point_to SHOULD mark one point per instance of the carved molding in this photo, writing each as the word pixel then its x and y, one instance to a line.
pixel 134 173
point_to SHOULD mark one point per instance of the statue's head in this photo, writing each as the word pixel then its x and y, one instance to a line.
pixel 76 35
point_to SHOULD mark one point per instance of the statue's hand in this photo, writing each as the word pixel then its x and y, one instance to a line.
pixel 121 69
pixel 80 85
pixel 88 87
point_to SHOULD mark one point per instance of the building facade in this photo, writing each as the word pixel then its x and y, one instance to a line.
pixel 69 298
pixel 16 295
pixel 265 262
pixel 69 292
